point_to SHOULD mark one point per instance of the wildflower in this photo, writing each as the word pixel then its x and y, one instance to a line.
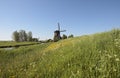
pixel 33 65
pixel 116 45
pixel 109 56
pixel 68 64
pixel 116 39
pixel 114 70
pixel 115 55
pixel 78 72
pixel 30 64
pixel 117 59
pixel 24 70
pixel 99 51
pixel 105 51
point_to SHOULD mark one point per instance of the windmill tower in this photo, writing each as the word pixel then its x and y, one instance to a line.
pixel 57 33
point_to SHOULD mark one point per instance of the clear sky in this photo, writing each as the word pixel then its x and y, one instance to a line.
pixel 78 17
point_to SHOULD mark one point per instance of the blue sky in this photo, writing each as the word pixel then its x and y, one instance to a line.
pixel 78 17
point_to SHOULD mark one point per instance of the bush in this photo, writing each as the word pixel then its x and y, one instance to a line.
pixel 64 36
pixel 71 36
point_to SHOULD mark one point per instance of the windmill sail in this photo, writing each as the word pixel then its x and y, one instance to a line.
pixel 58 27
pixel 63 31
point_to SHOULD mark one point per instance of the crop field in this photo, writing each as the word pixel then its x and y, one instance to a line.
pixel 88 56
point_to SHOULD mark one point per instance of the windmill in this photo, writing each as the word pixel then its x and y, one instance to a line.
pixel 57 33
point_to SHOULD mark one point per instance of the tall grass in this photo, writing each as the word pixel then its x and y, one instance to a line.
pixel 90 56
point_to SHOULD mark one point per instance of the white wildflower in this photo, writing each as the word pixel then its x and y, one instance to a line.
pixel 109 56
pixel 114 70
pixel 68 64
pixel 105 51
pixel 99 51
pixel 117 59
pixel 78 72
pixel 116 39
pixel 115 55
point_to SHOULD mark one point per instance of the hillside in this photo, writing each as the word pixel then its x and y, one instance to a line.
pixel 88 56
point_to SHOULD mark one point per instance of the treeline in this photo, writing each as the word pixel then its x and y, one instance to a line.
pixel 65 36
pixel 61 38
pixel 21 36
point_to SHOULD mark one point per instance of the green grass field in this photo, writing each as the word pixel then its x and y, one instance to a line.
pixel 89 56
pixel 14 44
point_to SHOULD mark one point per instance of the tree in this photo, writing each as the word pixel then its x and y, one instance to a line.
pixel 71 36
pixel 22 35
pixel 35 39
pixel 64 36
pixel 29 36
pixel 49 40
pixel 15 36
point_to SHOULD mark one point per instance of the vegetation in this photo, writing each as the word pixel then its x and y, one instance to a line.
pixel 4 44
pixel 89 56
pixel 15 36
pixel 22 36
pixel 71 36
pixel 29 36
pixel 64 36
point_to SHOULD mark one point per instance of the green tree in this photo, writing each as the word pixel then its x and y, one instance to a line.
pixel 71 36
pixel 29 36
pixel 64 36
pixel 22 35
pixel 15 36
pixel 35 39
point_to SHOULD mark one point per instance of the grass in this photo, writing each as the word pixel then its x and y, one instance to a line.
pixel 89 56
pixel 14 44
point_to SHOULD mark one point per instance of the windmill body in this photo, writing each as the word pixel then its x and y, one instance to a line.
pixel 57 33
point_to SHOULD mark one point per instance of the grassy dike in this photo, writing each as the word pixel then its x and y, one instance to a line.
pixel 89 56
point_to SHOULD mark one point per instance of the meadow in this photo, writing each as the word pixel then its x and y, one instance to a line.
pixel 88 56
pixel 4 44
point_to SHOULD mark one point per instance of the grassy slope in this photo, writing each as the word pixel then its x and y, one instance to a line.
pixel 92 56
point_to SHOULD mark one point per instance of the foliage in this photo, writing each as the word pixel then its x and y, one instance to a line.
pixel 29 36
pixel 35 39
pixel 89 56
pixel 22 36
pixel 49 40
pixel 64 36
pixel 71 36
pixel 15 36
